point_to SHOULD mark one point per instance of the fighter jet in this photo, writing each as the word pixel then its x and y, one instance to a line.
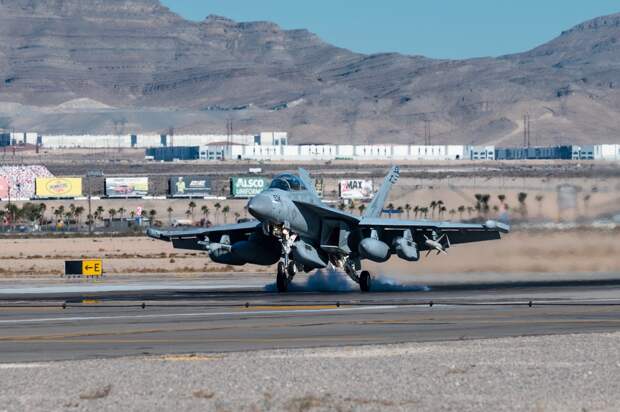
pixel 297 232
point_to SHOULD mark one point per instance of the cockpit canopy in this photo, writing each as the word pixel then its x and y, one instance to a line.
pixel 288 183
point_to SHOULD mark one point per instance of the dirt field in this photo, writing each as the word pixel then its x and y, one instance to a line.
pixel 518 252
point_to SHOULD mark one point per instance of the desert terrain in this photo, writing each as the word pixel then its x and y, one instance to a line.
pixel 576 251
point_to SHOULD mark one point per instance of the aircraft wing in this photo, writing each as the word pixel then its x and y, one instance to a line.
pixel 455 231
pixel 189 238
pixel 327 212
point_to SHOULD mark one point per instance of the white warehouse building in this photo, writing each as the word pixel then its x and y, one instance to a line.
pixel 336 152
pixel 145 140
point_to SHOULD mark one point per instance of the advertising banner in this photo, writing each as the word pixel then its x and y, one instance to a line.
pixel 356 189
pixel 126 186
pixel 4 188
pixel 247 186
pixel 46 187
pixel 190 186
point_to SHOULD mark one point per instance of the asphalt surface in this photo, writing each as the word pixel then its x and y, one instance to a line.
pixel 62 323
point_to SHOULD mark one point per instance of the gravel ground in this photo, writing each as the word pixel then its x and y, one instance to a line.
pixel 549 373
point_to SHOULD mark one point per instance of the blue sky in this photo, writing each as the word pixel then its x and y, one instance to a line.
pixel 434 28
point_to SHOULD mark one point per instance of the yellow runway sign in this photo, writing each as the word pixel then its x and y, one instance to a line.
pixel 92 267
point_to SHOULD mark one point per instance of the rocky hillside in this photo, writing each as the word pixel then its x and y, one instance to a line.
pixel 133 65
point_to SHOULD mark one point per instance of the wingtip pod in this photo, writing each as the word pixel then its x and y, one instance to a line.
pixel 495 225
pixel 154 234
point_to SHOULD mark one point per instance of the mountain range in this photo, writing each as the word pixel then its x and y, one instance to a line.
pixel 122 66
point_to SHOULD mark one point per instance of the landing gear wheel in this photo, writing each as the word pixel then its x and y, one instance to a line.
pixel 282 279
pixel 365 281
pixel 291 270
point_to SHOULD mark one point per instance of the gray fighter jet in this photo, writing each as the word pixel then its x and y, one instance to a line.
pixel 296 231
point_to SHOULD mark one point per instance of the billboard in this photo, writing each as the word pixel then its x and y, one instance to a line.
pixel 356 189
pixel 247 186
pixel 58 187
pixel 189 186
pixel 4 188
pixel 126 186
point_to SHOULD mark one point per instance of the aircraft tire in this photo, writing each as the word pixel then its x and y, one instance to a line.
pixel 365 281
pixel 282 278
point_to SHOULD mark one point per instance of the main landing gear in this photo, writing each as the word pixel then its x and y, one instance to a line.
pixel 363 279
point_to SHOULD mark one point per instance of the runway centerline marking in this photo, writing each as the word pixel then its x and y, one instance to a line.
pixel 197 314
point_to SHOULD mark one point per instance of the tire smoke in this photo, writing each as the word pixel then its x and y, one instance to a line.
pixel 330 280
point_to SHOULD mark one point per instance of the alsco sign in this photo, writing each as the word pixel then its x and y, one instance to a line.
pixel 247 186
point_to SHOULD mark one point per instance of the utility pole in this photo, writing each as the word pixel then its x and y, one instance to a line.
pixel 526 130
pixel 427 132
pixel 229 131
pixel 171 135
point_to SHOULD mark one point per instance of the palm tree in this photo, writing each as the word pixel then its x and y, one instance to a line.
pixel 408 210
pixel 521 197
pixel 217 207
pixel 390 207
pixel 501 198
pixel 351 206
pixel 57 215
pixel 461 210
pixel 225 211
pixel 205 212
pixel 112 213
pixel 539 198
pixel 237 216
pixel 121 212
pixel 442 210
pixel 341 206
pixel 424 211
pixel 192 206
pixel 78 214
pixel 68 219
pixel 586 203
pixel 433 206
pixel 416 210
pixel 42 209
pixel 170 210
pixel 400 211
pixel 452 213
pixel 361 208
pixel 61 210
pixel 152 214
pixel 99 212
pixel 485 203
pixel 478 206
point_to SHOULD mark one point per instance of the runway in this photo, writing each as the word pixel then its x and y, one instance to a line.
pixel 59 323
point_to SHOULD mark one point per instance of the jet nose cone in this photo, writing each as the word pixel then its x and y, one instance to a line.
pixel 260 206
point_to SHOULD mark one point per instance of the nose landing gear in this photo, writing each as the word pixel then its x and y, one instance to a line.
pixel 286 273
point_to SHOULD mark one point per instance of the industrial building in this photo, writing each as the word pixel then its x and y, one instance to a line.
pixel 533 153
pixel 273 146
pixel 62 141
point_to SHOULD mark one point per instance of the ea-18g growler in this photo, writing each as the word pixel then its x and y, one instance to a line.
pixel 299 233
